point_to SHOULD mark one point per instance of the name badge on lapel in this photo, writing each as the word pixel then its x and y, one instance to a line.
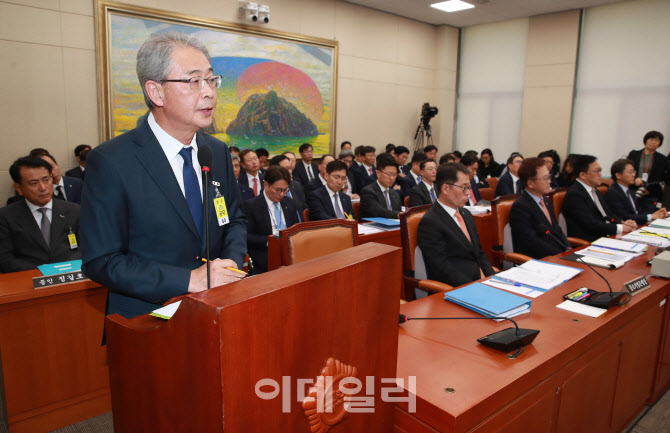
pixel 220 206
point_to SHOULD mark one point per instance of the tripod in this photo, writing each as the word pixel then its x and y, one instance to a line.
pixel 423 132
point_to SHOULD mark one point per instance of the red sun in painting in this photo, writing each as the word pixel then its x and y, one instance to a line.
pixel 288 82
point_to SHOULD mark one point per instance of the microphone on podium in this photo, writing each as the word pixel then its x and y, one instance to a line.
pixel 205 161
pixel 601 299
pixel 506 340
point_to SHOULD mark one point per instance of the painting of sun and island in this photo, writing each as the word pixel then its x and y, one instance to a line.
pixel 276 93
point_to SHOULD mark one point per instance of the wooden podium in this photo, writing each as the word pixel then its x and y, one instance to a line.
pixel 200 371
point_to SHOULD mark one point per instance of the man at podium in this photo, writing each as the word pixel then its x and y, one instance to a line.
pixel 142 218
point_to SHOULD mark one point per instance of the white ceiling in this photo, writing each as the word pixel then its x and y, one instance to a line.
pixel 485 11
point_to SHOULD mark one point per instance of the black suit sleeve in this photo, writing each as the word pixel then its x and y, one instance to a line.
pixel 257 236
pixel 620 209
pixel 371 207
pixel 577 213
pixel 525 237
pixel 9 262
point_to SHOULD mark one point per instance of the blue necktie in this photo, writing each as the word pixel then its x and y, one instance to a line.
pixel 280 220
pixel 432 194
pixel 192 189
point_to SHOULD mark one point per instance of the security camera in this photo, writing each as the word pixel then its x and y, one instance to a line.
pixel 252 17
pixel 249 10
pixel 263 14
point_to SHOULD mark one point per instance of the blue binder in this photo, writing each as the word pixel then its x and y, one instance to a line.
pixel 488 301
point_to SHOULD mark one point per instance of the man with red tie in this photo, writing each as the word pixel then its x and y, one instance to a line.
pixel 447 234
pixel 532 211
pixel 251 175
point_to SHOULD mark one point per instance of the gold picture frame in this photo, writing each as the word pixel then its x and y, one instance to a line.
pixel 301 70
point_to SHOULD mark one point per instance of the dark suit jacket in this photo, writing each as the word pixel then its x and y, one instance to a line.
pixel 582 216
pixel 505 185
pixel 363 178
pixel 352 179
pixel 407 183
pixel 321 205
pixel 621 206
pixel 660 171
pixel 259 227
pixel 447 253
pixel 244 181
pixel 138 237
pixel 76 172
pixel 298 195
pixel 22 245
pixel 314 184
pixel 525 218
pixel 73 188
pixel 300 173
pixel 373 203
pixel 419 195
pixel 246 193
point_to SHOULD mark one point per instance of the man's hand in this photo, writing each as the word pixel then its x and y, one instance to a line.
pixel 355 197
pixel 661 213
pixel 219 275
pixel 638 181
pixel 629 226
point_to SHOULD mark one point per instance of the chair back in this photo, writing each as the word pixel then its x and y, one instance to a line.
pixel 502 241
pixel 487 193
pixel 557 196
pixel 406 201
pixel 305 215
pixel 606 181
pixel 308 240
pixel 493 183
pixel 409 224
pixel 603 189
pixel 356 205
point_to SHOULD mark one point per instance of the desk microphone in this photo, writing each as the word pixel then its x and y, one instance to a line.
pixel 601 299
pixel 205 161
pixel 505 340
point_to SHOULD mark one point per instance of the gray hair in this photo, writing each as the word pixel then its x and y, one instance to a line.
pixel 235 157
pixel 153 57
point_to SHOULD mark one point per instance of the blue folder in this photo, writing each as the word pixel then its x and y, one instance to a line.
pixel 60 268
pixel 384 221
pixel 487 300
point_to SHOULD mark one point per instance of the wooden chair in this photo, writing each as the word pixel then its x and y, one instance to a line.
pixel 411 255
pixel 487 193
pixel 557 196
pixel 503 249
pixel 308 240
pixel 406 202
pixel 605 181
pixel 356 206
pixel 493 183
pixel 603 188
pixel 305 215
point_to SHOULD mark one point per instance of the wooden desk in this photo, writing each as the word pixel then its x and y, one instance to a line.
pixel 580 375
pixel 55 370
pixel 387 237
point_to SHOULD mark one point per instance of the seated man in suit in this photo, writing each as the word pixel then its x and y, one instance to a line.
pixel 347 156
pixel 78 171
pixel 431 152
pixel 447 234
pixel 268 213
pixel 250 174
pixel 587 215
pixel 621 199
pixel 424 192
pixel 320 179
pixel 366 172
pixel 548 157
pixel 379 199
pixel 329 202
pixel 35 231
pixel 470 162
pixel 532 215
pixel 509 181
pixel 65 188
pixel 263 156
pixel 295 190
pixel 291 157
pixel 305 170
pixel 413 177
pixel 400 153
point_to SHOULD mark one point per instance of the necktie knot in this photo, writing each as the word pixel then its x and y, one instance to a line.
pixel 186 153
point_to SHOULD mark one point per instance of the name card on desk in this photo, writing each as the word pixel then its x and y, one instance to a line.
pixel 58 279
pixel 637 285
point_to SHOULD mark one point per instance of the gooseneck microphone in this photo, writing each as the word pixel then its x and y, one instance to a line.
pixel 506 340
pixel 603 299
pixel 205 161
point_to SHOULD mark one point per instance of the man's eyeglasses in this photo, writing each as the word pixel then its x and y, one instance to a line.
pixel 390 175
pixel 337 177
pixel 545 178
pixel 280 190
pixel 466 188
pixel 198 83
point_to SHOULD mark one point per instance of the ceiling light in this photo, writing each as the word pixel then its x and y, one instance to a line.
pixel 452 6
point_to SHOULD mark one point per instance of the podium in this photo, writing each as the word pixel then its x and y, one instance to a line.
pixel 243 357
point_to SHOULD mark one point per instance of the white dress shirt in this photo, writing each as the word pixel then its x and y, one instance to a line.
pixel 38 215
pixel 274 218
pixel 332 200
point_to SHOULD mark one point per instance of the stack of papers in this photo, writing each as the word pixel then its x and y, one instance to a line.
pixel 616 244
pixel 366 229
pixel 658 237
pixel 605 257
pixel 488 301
pixel 537 275
pixel 664 223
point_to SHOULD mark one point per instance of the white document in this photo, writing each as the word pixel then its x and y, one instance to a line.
pixel 166 312
pixel 519 290
pixel 617 244
pixel 366 229
pixel 647 239
pixel 538 274
pixel 664 223
pixel 477 210
pixel 578 308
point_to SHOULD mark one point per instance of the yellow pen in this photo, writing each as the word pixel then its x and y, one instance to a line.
pixel 227 267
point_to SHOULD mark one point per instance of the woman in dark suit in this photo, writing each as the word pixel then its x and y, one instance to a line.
pixel 487 165
pixel 651 166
